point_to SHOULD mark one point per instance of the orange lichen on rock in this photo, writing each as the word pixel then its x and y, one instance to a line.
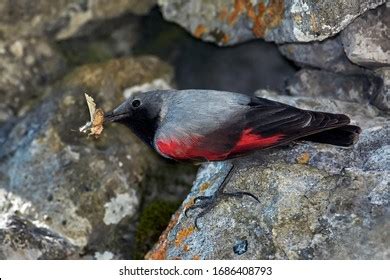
pixel 204 186
pixel 223 14
pixel 196 257
pixel 225 39
pixel 258 24
pixel 186 248
pixel 183 234
pixel 199 31
pixel 238 9
pixel 263 17
pixel 189 203
pixel 303 158
pixel 268 17
pixel 159 252
pixel 250 10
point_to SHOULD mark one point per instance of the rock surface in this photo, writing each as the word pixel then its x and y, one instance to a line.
pixel 362 88
pixel 324 84
pixel 227 22
pixel 356 62
pixel 31 59
pixel 328 55
pixel 61 19
pixel 367 39
pixel 102 41
pixel 382 97
pixel 317 201
pixel 20 239
pixel 26 65
pixel 87 191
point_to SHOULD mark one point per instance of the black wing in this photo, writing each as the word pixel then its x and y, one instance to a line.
pixel 267 118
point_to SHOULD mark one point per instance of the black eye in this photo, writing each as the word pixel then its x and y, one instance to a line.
pixel 136 103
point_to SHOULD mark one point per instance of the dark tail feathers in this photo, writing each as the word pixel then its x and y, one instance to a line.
pixel 341 136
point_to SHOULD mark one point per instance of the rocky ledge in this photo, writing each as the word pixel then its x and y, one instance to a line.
pixel 317 201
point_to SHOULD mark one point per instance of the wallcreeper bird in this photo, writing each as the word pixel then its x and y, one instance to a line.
pixel 208 125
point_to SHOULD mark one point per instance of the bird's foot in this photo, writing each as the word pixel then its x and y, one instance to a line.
pixel 209 202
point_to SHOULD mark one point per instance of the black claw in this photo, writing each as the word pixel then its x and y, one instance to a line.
pixel 196 223
pixel 208 202
pixel 241 194
pixel 186 212
pixel 188 209
pixel 204 212
pixel 198 205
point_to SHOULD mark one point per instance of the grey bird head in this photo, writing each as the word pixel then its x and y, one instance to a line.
pixel 140 112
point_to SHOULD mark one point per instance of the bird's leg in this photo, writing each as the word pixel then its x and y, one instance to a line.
pixel 209 202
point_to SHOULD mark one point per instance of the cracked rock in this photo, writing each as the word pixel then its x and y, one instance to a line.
pixel 323 84
pixel 228 22
pixel 21 239
pixel 367 39
pixel 26 65
pixel 328 55
pixel 381 98
pixel 84 190
pixel 62 19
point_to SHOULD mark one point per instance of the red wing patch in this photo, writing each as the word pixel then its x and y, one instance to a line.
pixel 251 141
pixel 189 150
pixel 180 150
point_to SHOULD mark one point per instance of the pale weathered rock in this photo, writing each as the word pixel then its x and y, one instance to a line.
pixel 328 55
pixel 323 84
pixel 61 19
pixel 26 64
pixel 367 39
pixel 228 22
pixel 365 42
pixel 21 239
pixel 102 41
pixel 381 98
pixel 109 80
pixel 85 190
pixel 360 88
pixel 317 201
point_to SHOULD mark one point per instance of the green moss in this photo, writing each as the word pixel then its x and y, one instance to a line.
pixel 153 220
